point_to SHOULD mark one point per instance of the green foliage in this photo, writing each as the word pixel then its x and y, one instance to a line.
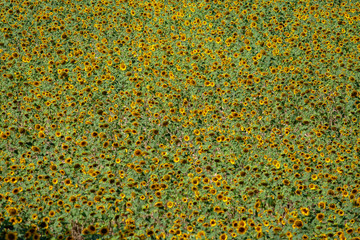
pixel 179 120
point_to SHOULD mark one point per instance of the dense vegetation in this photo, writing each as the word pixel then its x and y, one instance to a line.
pixel 179 119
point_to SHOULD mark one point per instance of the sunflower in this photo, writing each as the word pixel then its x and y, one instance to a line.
pixel 41 134
pixel 12 211
pixel 286 182
pixel 52 213
pixel 158 204
pixel 305 211
pixel 277 229
pixel 72 199
pixel 123 66
pixel 322 205
pixel 149 232
pixel 137 152
pixel 314 177
pixel 67 182
pixel 27 235
pixel 332 206
pixel 11 236
pixel 298 224
pixel 104 231
pixel 65 147
pixel 259 235
pixel 241 230
pixel 34 216
pixel 200 234
pixel 35 149
pixel 92 229
pixel 43 225
pixel 320 217
pixel 15 191
pixel 198 170
pixel 341 212
pixel 85 231
pixel 170 204
pixel 106 144
pixel 223 236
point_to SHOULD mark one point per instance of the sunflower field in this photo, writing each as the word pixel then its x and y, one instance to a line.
pixel 179 119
